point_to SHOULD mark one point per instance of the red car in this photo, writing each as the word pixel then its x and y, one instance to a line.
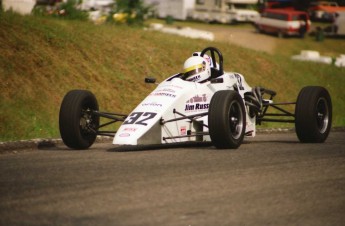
pixel 283 22
pixel 324 11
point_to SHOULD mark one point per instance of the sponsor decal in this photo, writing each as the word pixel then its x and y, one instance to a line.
pixel 166 90
pixel 239 82
pixel 124 135
pixel 183 131
pixel 198 98
pixel 172 86
pixel 153 104
pixel 128 129
pixel 197 103
pixel 193 79
pixel 163 94
pixel 207 58
pixel 195 107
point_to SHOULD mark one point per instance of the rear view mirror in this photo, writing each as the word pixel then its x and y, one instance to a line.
pixel 150 80
pixel 217 80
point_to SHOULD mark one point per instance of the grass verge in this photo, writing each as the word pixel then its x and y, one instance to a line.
pixel 43 58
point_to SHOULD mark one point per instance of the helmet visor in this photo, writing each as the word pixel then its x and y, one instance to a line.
pixel 193 70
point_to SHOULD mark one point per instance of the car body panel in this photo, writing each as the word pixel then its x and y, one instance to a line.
pixel 149 122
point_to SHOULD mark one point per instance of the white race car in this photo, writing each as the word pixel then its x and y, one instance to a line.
pixel 202 104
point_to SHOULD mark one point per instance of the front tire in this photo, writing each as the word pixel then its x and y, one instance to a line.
pixel 78 125
pixel 313 114
pixel 226 119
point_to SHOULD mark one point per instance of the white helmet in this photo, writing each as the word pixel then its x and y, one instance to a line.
pixel 208 59
pixel 196 69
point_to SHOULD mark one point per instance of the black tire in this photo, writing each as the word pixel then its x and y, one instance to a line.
pixel 226 119
pixel 78 126
pixel 313 114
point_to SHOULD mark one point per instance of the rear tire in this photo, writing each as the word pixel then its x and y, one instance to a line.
pixel 313 114
pixel 226 119
pixel 78 126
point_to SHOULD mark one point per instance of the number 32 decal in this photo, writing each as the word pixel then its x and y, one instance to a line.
pixel 139 118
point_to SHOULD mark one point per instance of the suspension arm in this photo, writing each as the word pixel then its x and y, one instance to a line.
pixel 113 116
pixel 190 117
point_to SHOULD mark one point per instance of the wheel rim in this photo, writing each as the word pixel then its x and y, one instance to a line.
pixel 322 115
pixel 236 120
pixel 87 122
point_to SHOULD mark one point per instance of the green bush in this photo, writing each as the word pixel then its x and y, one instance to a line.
pixel 69 11
pixel 133 12
pixel 66 10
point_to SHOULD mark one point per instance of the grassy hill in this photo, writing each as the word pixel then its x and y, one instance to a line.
pixel 43 58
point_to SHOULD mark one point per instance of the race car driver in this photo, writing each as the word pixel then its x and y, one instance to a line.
pixel 197 68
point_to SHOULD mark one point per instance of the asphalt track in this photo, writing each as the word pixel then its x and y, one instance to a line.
pixel 270 180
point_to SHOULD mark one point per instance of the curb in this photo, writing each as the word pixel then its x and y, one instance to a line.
pixel 28 144
pixel 14 146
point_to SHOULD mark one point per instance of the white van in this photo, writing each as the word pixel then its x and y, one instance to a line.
pixel 224 11
pixel 339 23
pixel 20 6
pixel 338 26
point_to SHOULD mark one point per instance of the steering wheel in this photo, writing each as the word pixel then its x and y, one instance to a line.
pixel 213 52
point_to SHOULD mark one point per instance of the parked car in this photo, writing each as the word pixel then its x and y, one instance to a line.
pixel 338 26
pixel 47 2
pixel 224 11
pixel 324 11
pixel 283 22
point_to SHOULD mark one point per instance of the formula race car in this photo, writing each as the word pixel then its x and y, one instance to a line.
pixel 202 104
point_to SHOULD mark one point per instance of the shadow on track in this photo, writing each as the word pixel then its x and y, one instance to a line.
pixel 129 148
